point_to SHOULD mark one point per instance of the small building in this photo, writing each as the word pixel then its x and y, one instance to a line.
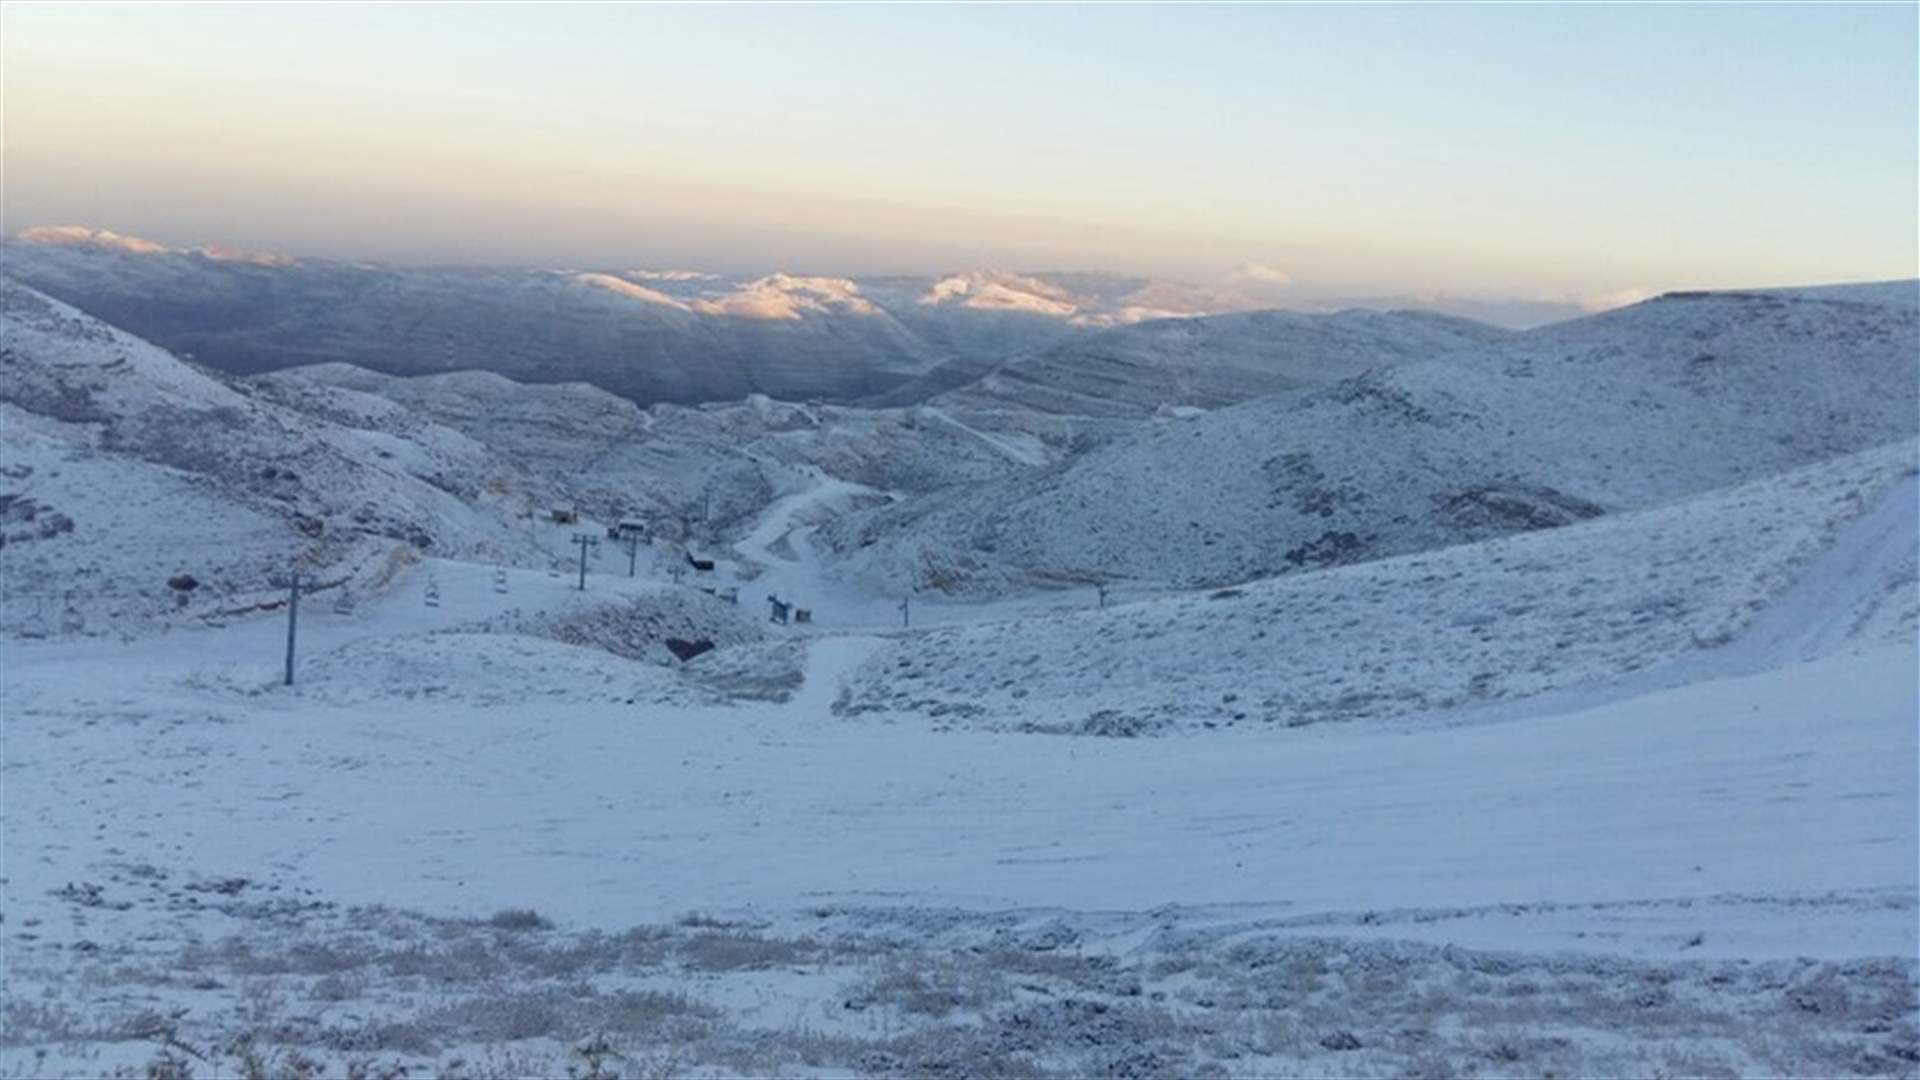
pixel 568 516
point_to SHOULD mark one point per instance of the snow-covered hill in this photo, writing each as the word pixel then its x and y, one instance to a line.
pixel 704 469
pixel 137 485
pixel 1210 362
pixel 1462 627
pixel 1669 398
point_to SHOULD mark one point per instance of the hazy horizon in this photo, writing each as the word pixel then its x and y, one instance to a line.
pixel 1551 155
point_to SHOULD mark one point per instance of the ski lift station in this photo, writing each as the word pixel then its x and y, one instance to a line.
pixel 628 529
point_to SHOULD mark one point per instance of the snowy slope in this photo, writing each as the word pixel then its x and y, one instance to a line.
pixel 1463 626
pixel 555 429
pixel 1210 362
pixel 1669 398
pixel 709 467
pixel 842 794
pixel 1719 874
pixel 126 468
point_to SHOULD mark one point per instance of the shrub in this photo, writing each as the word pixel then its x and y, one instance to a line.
pixel 519 919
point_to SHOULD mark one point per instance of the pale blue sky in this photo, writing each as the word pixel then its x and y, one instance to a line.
pixel 1481 150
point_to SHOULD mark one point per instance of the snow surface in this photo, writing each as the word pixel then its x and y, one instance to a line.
pixel 1634 795
pixel 1740 818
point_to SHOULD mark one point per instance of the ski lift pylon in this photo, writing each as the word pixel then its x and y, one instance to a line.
pixel 39 625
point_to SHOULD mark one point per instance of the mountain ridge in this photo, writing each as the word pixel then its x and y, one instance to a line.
pixel 679 336
pixel 1548 427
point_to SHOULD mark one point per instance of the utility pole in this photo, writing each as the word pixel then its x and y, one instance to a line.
pixel 906 611
pixel 1103 593
pixel 633 552
pixel 293 619
pixel 583 541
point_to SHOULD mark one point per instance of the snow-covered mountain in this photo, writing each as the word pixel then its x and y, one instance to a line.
pixel 1209 362
pixel 676 336
pixel 649 336
pixel 700 468
pixel 137 485
pixel 1671 397
pixel 786 336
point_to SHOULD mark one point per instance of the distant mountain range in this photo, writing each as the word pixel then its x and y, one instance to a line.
pixel 677 336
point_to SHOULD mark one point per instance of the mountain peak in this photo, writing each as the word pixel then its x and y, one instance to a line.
pixel 88 238
pixel 84 237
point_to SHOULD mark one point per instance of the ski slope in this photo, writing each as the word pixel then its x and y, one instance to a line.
pixel 1765 793
pixel 1025 455
pixel 427 763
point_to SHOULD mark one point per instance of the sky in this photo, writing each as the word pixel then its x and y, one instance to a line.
pixel 1569 151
